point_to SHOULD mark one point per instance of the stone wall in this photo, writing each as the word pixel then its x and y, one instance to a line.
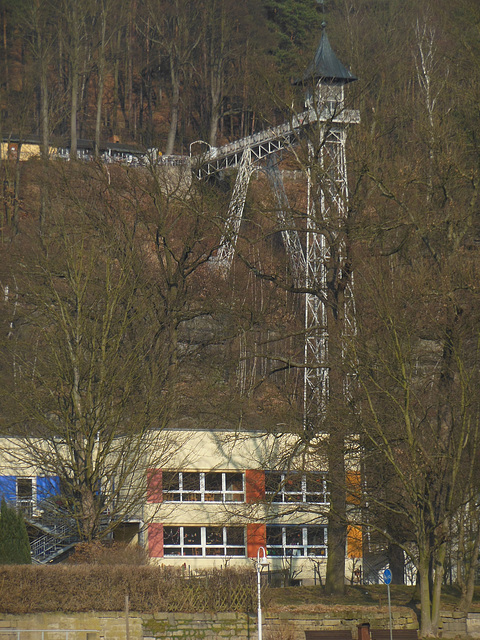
pixel 283 625
pixel 200 626
pixel 453 623
pixel 292 626
pixel 473 625
pixel 101 626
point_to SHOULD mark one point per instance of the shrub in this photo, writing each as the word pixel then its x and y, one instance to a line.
pixel 14 543
pixel 113 553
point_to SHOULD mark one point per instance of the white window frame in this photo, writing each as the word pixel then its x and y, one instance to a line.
pixel 203 549
pixel 225 494
pixel 282 495
pixel 303 550
pixel 26 505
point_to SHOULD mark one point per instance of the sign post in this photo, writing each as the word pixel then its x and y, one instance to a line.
pixel 387 578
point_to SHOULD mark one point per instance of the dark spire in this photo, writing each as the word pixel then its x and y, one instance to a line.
pixel 325 65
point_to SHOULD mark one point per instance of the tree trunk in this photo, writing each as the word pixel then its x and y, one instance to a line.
pixel 430 572
pixel 98 118
pixel 212 135
pixel 334 418
pixel 116 98
pixel 470 565
pixel 89 520
pixel 172 132
pixel 75 77
pixel 5 50
pixel 129 87
pixel 44 124
pixel 337 530
pixel 217 63
pixel 16 194
pixel 426 628
pixel 101 82
pixel 73 116
pixel 396 561
pixel 439 569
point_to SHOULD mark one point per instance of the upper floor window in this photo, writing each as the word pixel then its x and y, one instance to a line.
pixel 25 495
pixel 293 540
pixel 212 486
pixel 29 493
pixel 203 541
pixel 296 487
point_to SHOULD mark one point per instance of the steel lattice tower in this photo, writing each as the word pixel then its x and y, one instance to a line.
pixel 324 123
pixel 326 214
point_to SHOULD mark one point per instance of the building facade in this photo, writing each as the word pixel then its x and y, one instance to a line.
pixel 225 495
pixel 217 498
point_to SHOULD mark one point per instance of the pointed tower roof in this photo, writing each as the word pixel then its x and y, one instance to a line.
pixel 325 65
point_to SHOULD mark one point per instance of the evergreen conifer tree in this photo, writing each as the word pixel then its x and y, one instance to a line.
pixel 14 543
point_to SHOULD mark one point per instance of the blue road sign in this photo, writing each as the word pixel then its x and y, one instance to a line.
pixel 387 576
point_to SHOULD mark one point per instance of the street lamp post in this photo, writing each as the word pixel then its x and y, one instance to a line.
pixel 261 562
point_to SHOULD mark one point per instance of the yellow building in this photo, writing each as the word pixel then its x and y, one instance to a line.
pixel 223 495
pixel 213 499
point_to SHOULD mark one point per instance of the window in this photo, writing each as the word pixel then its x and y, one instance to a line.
pixel 293 540
pixel 296 487
pixel 212 486
pixel 29 493
pixel 25 495
pixel 204 541
pixel 332 107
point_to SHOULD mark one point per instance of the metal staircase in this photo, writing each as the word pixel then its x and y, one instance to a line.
pixel 226 251
pixel 54 541
pixel 290 236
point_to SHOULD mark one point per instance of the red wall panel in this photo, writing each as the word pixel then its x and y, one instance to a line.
pixel 154 485
pixel 254 485
pixel 256 537
pixel 155 540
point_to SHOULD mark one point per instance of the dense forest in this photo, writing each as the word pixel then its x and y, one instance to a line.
pixel 166 73
pixel 155 73
pixel 114 321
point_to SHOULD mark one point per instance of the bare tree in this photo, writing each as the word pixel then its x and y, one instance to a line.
pixel 177 32
pixel 426 429
pixel 94 369
pixel 107 29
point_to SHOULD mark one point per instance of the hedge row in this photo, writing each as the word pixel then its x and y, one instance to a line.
pixel 76 588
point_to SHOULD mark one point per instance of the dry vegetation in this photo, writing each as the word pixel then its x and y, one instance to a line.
pixel 100 587
pixel 100 581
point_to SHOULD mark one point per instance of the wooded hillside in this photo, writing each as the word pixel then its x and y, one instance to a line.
pixel 164 73
pixel 113 319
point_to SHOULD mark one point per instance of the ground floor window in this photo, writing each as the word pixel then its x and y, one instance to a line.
pixel 294 540
pixel 204 541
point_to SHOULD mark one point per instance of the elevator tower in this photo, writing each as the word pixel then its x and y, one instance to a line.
pixel 319 263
